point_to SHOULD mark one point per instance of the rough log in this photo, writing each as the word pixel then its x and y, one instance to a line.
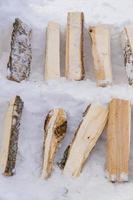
pixel 55 129
pixel 74 69
pixel 118 140
pixel 127 45
pixel 11 134
pixel 20 55
pixel 85 139
pixel 100 38
pixel 52 58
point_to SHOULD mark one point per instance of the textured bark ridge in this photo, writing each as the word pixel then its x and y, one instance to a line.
pixel 118 140
pixel 55 129
pixel 85 139
pixel 100 38
pixel 127 45
pixel 74 68
pixel 21 55
pixel 52 57
pixel 11 134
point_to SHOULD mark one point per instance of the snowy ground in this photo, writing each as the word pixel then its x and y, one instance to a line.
pixel 39 97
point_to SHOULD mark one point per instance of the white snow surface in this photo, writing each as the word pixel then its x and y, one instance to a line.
pixel 39 97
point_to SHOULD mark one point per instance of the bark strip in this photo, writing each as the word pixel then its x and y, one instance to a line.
pixel 11 136
pixel 20 56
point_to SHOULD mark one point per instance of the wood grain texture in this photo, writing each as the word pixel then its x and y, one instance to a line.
pixel 85 138
pixel 127 45
pixel 100 38
pixel 118 140
pixel 52 51
pixel 55 129
pixel 74 68
pixel 11 135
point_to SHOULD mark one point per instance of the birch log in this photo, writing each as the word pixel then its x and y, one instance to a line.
pixel 100 38
pixel 118 140
pixel 52 58
pixel 55 129
pixel 85 139
pixel 74 46
pixel 11 134
pixel 20 55
pixel 127 45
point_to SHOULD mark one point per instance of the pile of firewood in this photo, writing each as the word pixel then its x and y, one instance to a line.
pixel 116 116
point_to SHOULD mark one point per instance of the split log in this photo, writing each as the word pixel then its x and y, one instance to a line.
pixel 118 140
pixel 85 139
pixel 11 134
pixel 127 45
pixel 74 46
pixel 55 129
pixel 52 58
pixel 100 38
pixel 20 56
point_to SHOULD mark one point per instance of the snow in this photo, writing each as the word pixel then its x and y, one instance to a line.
pixel 39 97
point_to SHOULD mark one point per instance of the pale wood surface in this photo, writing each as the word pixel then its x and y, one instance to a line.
pixel 127 45
pixel 74 69
pixel 85 139
pixel 100 38
pixel 118 140
pixel 52 51
pixel 55 129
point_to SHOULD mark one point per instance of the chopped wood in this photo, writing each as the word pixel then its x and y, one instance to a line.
pixel 52 58
pixel 11 134
pixel 127 45
pixel 20 56
pixel 85 139
pixel 100 38
pixel 74 46
pixel 55 129
pixel 118 140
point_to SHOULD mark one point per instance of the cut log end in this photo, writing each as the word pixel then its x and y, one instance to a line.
pixel 18 67
pixel 11 135
pixel 55 129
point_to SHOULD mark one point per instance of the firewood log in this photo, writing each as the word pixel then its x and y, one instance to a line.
pixel 74 69
pixel 127 45
pixel 100 38
pixel 18 66
pixel 118 140
pixel 85 139
pixel 11 135
pixel 55 129
pixel 52 58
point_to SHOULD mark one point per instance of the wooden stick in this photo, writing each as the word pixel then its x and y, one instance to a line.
pixel 55 129
pixel 118 140
pixel 127 45
pixel 11 134
pixel 101 54
pixel 85 139
pixel 74 46
pixel 52 58
pixel 20 56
